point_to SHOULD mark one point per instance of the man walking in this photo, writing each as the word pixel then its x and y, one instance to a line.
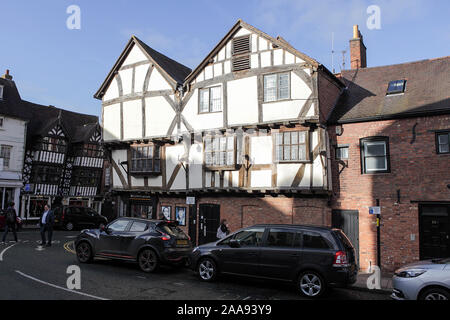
pixel 46 223
pixel 11 218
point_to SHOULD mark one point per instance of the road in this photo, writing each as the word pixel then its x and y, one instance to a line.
pixel 30 272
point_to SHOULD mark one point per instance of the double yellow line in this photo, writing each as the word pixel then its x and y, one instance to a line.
pixel 68 248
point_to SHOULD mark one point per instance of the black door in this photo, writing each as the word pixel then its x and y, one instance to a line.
pixel 209 221
pixel 193 223
pixel 348 221
pixel 434 230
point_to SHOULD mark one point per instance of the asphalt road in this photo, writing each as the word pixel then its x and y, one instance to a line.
pixel 30 272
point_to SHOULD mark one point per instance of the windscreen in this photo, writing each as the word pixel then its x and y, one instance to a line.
pixel 172 230
pixel 341 235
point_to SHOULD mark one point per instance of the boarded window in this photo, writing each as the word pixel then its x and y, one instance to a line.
pixel 291 146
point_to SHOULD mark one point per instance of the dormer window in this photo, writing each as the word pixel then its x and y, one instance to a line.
pixel 396 86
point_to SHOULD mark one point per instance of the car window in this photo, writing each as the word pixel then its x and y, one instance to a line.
pixel 172 230
pixel 138 226
pixel 280 238
pixel 314 240
pixel 345 240
pixel 119 225
pixel 249 237
pixel 73 210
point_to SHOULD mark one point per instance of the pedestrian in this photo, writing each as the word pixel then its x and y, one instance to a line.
pixel 46 223
pixel 223 229
pixel 11 220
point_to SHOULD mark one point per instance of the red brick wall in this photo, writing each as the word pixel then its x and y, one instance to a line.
pixel 328 92
pixel 416 170
pixel 242 211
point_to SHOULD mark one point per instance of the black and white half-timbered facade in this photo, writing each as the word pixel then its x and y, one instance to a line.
pixel 242 135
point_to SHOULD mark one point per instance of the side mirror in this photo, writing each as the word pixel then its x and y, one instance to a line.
pixel 234 243
pixel 104 229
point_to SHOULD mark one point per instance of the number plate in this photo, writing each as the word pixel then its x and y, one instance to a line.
pixel 182 242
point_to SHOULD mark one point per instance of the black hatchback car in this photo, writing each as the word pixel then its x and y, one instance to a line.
pixel 73 217
pixel 148 242
pixel 310 257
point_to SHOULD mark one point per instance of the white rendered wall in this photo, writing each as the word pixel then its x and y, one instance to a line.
pixel 157 82
pixel 111 122
pixel 242 101
pixel 112 92
pixel 136 55
pixel 261 178
pixel 158 116
pixel 132 119
pixel 119 156
pixel 261 149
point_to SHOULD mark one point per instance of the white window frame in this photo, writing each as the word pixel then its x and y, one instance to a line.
pixel 210 100
pixel 6 160
pixel 277 87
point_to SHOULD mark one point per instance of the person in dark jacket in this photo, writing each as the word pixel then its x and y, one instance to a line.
pixel 46 223
pixel 11 218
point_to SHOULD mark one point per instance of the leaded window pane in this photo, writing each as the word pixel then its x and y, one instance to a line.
pixel 283 89
pixel 287 152
pixel 287 138
pixel 204 100
pixel 230 158
pixel 216 99
pixel 270 87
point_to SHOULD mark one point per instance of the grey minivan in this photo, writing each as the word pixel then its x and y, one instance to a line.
pixel 310 257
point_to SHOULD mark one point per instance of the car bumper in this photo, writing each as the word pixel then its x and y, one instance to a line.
pixel 174 255
pixel 343 276
pixel 405 288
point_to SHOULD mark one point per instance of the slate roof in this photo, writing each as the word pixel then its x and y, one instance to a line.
pixel 42 119
pixel 427 91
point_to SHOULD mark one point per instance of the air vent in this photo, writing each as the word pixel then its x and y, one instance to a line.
pixel 241 45
pixel 241 63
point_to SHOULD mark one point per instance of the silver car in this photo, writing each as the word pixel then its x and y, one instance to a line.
pixel 423 280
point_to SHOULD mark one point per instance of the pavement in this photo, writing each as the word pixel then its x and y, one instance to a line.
pixel 361 282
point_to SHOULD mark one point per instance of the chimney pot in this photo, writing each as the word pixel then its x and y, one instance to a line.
pixel 7 76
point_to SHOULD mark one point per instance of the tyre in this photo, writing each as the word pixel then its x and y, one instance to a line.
pixel 148 260
pixel 69 226
pixel 207 270
pixel 311 284
pixel 84 252
pixel 435 294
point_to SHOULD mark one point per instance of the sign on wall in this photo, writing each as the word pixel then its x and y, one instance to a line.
pixel 374 210
pixel 190 200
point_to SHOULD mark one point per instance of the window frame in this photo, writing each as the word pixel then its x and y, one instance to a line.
pixel 53 144
pixel 209 99
pixel 388 93
pixel 133 148
pixel 220 167
pixel 437 134
pixel 341 146
pixel 278 99
pixel 387 156
pixel 307 144
pixel 84 177
pixel 6 161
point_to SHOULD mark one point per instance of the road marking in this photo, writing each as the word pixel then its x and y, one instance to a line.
pixel 67 247
pixel 58 287
pixel 1 254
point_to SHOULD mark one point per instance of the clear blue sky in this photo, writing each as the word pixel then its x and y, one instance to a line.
pixel 54 65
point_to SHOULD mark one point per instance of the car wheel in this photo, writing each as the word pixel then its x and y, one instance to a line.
pixel 311 284
pixel 69 226
pixel 148 260
pixel 84 252
pixel 207 269
pixel 435 294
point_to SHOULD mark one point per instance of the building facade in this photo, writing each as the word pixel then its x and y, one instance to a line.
pixel 12 143
pixel 242 135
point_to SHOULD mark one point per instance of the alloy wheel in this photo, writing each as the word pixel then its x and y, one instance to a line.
pixel 148 261
pixel 435 296
pixel 207 270
pixel 311 284
pixel 84 252
pixel 69 226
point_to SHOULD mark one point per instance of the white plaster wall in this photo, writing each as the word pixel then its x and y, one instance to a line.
pixel 157 82
pixel 299 89
pixel 261 178
pixel 317 173
pixel 208 72
pixel 132 119
pixel 155 181
pixel 227 66
pixel 265 59
pixel 242 101
pixel 286 174
pixel 140 73
pixel 195 165
pixel 204 120
pixel 127 77
pixel 137 181
pixel 135 55
pixel 241 32
pixel 261 149
pixel 12 134
pixel 158 116
pixel 221 55
pixel 254 43
pixel 254 61
pixel 173 153
pixel 263 44
pixel 289 58
pixel 118 156
pixel 217 69
pixel 111 122
pixel 278 57
pixel 112 91
pixel 235 178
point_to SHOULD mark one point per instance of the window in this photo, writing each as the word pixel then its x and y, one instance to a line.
pixel 5 153
pixel 291 146
pixel 210 100
pixel 283 238
pixel 247 238
pixel 396 86
pixel 89 150
pixel 47 174
pixel 314 240
pixel 138 227
pixel 276 87
pixel 145 159
pixel 219 151
pixel 119 225
pixel 53 144
pixel 86 177
pixel 241 49
pixel 342 152
pixel 443 142
pixel 375 155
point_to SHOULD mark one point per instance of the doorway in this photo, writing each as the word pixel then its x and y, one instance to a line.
pixel 434 231
pixel 348 221
pixel 209 221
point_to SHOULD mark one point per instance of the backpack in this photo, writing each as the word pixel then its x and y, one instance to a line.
pixel 10 216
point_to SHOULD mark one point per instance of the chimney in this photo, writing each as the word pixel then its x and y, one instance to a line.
pixel 7 76
pixel 357 50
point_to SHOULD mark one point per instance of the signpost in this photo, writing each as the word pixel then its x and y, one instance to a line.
pixel 377 211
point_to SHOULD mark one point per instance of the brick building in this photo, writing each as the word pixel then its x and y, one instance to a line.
pixel 390 130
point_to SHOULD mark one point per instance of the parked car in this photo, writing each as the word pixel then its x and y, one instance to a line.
pixel 423 280
pixel 72 217
pixel 19 221
pixel 150 243
pixel 310 257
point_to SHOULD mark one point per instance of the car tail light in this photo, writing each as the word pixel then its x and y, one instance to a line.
pixel 164 236
pixel 340 259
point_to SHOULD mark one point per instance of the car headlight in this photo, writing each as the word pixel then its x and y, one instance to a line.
pixel 409 273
